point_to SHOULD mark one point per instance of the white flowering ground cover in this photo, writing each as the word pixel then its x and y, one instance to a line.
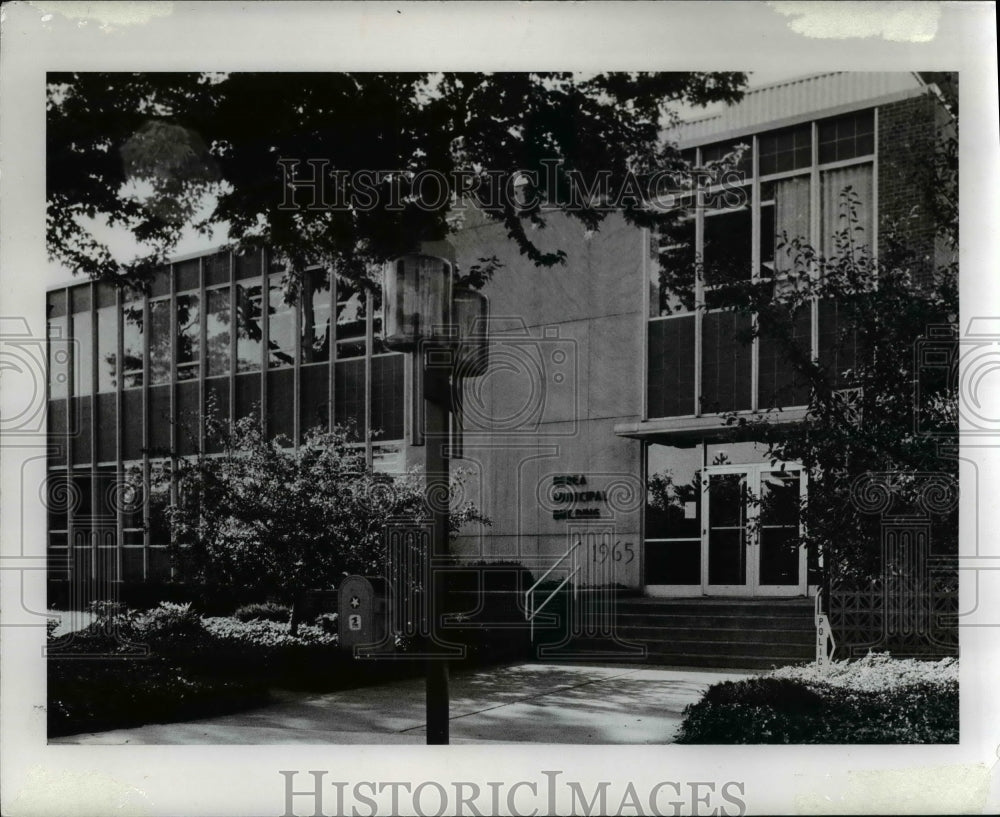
pixel 263 633
pixel 876 672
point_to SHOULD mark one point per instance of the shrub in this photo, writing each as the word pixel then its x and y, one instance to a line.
pixel 99 694
pixel 267 611
pixel 327 622
pixel 169 621
pixel 875 700
pixel 266 633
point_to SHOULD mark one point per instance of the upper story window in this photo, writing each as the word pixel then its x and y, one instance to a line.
pixel 83 342
pixel 315 347
pixel 280 326
pixel 188 335
pixel 727 247
pixel 718 151
pixel 107 339
pixel 132 343
pixel 218 331
pixel 784 150
pixel 846 137
pixel 351 318
pixel 159 341
pixel 754 232
pixel 249 327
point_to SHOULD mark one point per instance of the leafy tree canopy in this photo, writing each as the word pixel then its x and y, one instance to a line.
pixel 140 151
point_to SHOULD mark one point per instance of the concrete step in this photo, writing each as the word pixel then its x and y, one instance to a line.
pixel 738 622
pixel 712 635
pixel 732 656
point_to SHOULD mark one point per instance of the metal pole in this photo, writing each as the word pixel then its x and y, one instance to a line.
pixel 435 388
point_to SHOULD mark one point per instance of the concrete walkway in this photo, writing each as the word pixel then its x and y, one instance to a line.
pixel 520 703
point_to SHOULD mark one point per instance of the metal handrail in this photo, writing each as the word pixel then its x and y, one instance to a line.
pixel 529 610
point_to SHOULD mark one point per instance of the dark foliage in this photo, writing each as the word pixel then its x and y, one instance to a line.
pixel 779 710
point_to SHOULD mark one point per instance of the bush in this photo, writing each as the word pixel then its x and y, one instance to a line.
pixel 875 700
pixel 89 695
pixel 169 621
pixel 327 622
pixel 262 632
pixel 267 611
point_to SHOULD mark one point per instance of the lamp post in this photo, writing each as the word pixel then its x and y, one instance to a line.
pixel 422 318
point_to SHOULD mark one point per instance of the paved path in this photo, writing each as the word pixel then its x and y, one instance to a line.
pixel 521 703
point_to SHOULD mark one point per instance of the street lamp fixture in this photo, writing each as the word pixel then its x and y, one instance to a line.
pixel 423 316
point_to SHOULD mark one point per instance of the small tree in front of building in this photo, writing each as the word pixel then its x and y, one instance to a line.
pixel 279 520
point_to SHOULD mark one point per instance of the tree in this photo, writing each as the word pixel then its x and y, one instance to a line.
pixel 281 520
pixel 140 151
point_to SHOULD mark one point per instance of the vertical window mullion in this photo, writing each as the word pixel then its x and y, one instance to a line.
pixel 70 424
pixel 815 235
pixel 94 374
pixel 265 333
pixel 119 433
pixel 875 146
pixel 234 334
pixel 172 380
pixel 146 471
pixel 202 352
pixel 369 346
pixel 298 344
pixel 755 261
pixel 332 381
pixel 699 287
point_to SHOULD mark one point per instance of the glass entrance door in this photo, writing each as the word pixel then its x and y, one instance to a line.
pixel 750 540
pixel 726 539
pixel 723 530
pixel 781 560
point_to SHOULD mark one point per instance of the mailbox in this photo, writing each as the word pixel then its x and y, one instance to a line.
pixel 361 612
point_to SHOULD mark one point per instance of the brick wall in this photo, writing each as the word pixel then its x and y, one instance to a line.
pixel 906 134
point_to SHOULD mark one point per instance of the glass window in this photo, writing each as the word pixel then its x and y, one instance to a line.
pixel 248 328
pixel 727 251
pixel 316 317
pixel 83 350
pixel 132 341
pixel 159 341
pixel 784 217
pixel 350 321
pixel 107 349
pixel 846 204
pixel 847 137
pixel 673 515
pixel 718 151
pixel 280 327
pixel 217 332
pixel 188 336
pixel 673 271
pixel 783 150
pixel 378 346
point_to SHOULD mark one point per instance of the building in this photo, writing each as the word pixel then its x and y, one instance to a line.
pixel 600 381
